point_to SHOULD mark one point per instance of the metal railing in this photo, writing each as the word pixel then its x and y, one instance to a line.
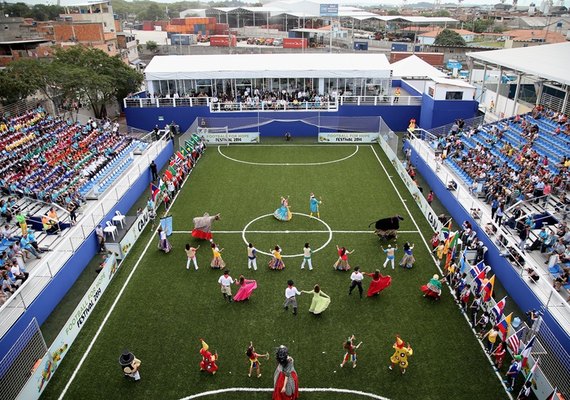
pixel 53 261
pixel 503 239
pixel 274 106
pixel 150 102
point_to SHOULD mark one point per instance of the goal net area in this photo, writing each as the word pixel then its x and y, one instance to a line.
pixel 325 129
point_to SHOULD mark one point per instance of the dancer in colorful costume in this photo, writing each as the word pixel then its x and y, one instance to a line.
pixel 163 243
pixel 277 261
pixel 246 288
pixel 401 354
pixel 285 380
pixel 208 362
pixel 253 358
pixel 432 288
pixel 203 226
pixel 314 205
pixel 350 351
pixel 217 261
pixel 379 283
pixel 283 213
pixel 320 300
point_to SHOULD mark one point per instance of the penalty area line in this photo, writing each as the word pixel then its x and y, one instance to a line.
pixel 303 390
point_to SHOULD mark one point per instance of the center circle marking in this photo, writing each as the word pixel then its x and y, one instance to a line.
pixel 288 231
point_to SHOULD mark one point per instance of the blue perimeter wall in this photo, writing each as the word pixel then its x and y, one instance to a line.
pixel 515 286
pixel 52 294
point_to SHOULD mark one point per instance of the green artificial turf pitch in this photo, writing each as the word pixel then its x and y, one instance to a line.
pixel 165 308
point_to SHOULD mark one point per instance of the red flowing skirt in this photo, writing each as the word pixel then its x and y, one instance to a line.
pixel 379 285
pixel 429 293
pixel 277 395
pixel 198 234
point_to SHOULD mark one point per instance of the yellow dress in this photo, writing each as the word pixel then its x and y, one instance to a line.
pixel 400 356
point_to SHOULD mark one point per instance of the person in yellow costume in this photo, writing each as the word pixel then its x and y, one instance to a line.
pixel 401 354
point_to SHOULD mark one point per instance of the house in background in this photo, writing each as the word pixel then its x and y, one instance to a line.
pixel 428 38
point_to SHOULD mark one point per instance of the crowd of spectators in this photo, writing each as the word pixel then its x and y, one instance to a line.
pixel 50 159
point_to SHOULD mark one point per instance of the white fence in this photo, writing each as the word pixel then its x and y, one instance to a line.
pixel 53 261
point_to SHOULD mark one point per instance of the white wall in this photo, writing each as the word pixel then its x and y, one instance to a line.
pixel 440 91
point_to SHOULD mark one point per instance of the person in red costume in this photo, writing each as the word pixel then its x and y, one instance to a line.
pixel 203 226
pixel 379 283
pixel 285 380
pixel 208 362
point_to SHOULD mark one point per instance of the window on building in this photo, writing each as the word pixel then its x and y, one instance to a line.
pixel 453 95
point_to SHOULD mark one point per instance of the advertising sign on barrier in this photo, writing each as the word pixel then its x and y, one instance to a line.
pixel 422 203
pixel 328 10
pixel 242 137
pixel 353 137
pixel 58 350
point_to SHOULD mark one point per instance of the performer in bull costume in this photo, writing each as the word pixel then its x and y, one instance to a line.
pixel 203 226
pixel 387 228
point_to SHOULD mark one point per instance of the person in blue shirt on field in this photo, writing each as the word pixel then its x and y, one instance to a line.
pixel 314 205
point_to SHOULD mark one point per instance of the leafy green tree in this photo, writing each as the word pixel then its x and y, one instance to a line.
pixel 448 37
pixel 153 12
pixel 481 25
pixel 16 9
pixel 151 45
pixel 42 12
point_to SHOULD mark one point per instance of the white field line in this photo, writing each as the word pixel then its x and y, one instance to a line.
pixel 88 350
pixel 304 390
pixel 289 231
pixel 437 264
pixel 287 164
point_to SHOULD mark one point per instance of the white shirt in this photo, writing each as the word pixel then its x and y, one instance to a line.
pixel 307 252
pixel 225 280
pixel 291 292
pixel 357 276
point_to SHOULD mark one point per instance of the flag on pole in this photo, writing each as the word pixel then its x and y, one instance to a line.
pixel 487 289
pixel 497 310
pixel 168 175
pixel 514 342
pixel 531 372
pixel 180 156
pixel 445 231
pixel 172 170
pixel 525 353
pixel 503 326
pixel 477 269
pixel 154 191
pixel 161 185
pixel 183 151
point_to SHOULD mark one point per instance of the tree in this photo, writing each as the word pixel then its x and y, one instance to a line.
pixel 151 45
pixel 448 37
pixel 22 78
pixel 94 77
pixel 153 12
pixel 15 10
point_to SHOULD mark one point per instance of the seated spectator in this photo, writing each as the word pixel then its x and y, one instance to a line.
pixel 18 273
pixel 533 275
pixel 561 280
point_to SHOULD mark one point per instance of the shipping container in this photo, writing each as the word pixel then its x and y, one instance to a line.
pixel 294 43
pixel 148 26
pixel 399 47
pixel 223 41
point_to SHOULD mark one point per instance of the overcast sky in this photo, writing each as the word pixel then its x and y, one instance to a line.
pixel 342 2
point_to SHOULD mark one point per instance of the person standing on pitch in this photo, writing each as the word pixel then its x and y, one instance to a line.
pixel 350 351
pixel 225 282
pixel 314 205
pixel 390 255
pixel 356 277
pixel 307 253
pixel 130 365
pixel 191 256
pixel 290 296
pixel 251 257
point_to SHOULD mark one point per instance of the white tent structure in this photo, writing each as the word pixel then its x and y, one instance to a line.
pixel 413 67
pixel 545 67
pixel 215 73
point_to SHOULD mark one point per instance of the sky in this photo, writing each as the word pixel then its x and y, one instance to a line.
pixel 342 2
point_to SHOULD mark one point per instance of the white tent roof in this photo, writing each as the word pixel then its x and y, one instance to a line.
pixel 415 67
pixel 548 61
pixel 297 65
pixel 453 82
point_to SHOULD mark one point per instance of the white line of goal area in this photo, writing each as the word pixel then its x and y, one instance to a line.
pixel 289 231
pixel 302 390
pixel 287 164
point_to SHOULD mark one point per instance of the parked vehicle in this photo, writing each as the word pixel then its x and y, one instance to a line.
pixel 278 42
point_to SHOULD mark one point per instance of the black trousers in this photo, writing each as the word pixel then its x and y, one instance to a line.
pixel 355 284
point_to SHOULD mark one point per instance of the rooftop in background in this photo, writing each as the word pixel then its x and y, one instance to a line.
pixel 415 67
pixel 296 65
pixel 554 66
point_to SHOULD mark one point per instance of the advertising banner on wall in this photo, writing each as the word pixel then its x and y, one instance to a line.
pixel 241 137
pixel 350 137
pixel 58 350
pixel 418 196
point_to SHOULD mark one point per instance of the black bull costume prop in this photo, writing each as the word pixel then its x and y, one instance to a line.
pixel 387 228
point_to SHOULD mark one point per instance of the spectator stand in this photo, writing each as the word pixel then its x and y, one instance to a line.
pixel 503 239
pixel 64 248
